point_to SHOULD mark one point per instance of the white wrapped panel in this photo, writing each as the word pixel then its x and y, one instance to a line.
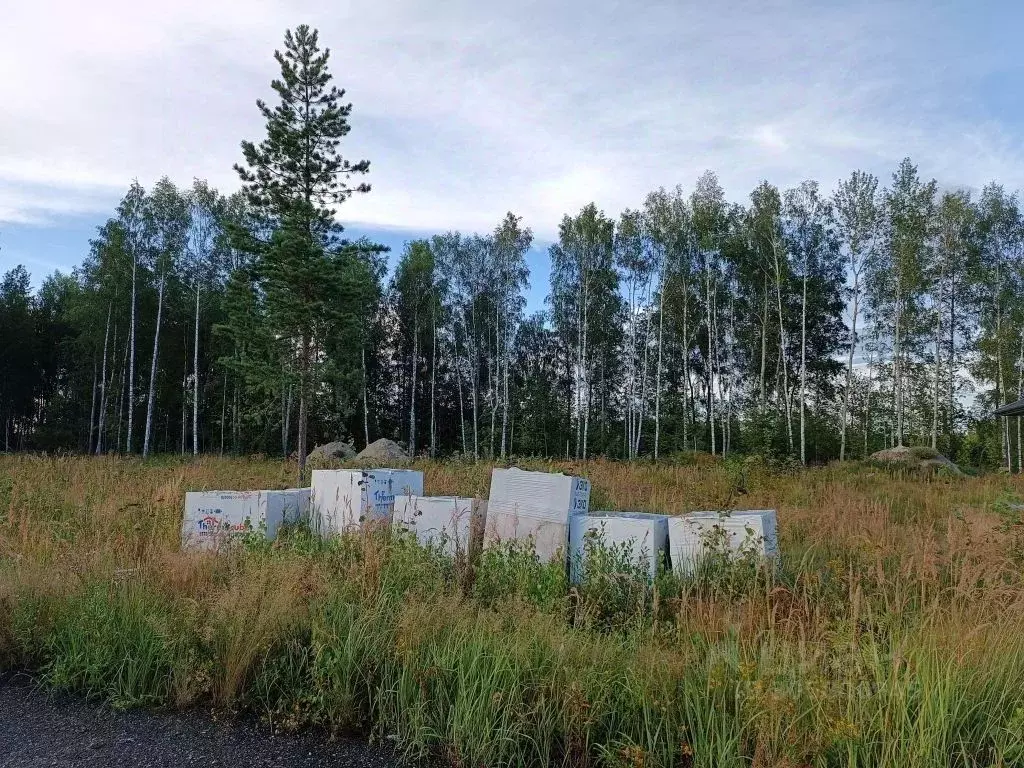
pixel 541 494
pixel 213 517
pixel 505 521
pixel 343 499
pixel 279 507
pixel 643 537
pixel 454 523
pixel 749 531
pixel 534 505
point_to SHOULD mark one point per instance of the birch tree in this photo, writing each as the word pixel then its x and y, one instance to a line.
pixel 584 301
pixel 169 224
pixel 858 218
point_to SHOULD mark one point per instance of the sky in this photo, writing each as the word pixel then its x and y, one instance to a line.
pixel 467 110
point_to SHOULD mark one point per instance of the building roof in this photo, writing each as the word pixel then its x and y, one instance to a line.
pixel 1010 409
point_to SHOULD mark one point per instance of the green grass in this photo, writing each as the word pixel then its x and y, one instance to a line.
pixel 889 634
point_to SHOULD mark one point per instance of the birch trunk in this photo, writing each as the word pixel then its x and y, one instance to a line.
pixel 121 397
pixel 223 412
pixel 643 387
pixel 782 346
pixel 803 368
pixel 412 386
pixel 474 383
pixel 657 376
pixel 433 384
pixel 92 409
pixel 505 398
pixel 1020 396
pixel 103 386
pixel 131 355
pixel 762 392
pixel 366 401
pixel 153 368
pixel 458 382
pixel 195 380
pixel 898 374
pixel 849 368
pixel 687 400
pixel 711 353
pixel 935 393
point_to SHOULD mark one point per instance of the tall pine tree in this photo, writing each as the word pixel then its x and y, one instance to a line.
pixel 295 177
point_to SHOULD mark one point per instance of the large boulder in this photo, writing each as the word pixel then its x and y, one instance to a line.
pixel 920 458
pixel 330 452
pixel 383 450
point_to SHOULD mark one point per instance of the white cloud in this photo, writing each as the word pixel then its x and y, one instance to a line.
pixel 467 110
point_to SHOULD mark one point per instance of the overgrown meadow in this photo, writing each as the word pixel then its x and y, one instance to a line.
pixel 889 634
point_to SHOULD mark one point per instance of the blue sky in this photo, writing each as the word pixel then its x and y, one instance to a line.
pixel 467 110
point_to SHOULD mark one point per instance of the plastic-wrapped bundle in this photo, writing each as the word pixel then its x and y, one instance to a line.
pixel 455 524
pixel 740 533
pixel 214 517
pixel 345 499
pixel 638 538
pixel 536 506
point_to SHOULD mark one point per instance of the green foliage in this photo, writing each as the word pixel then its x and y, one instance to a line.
pixel 121 643
pixel 511 569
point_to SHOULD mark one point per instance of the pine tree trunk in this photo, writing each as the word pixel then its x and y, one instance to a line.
pixel 153 368
pixel 301 448
pixel 305 362
pixel 286 419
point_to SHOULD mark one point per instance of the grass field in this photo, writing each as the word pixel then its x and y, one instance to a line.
pixel 892 634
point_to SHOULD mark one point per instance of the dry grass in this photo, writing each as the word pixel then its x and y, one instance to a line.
pixel 892 634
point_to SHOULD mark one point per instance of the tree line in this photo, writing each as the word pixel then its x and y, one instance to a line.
pixel 800 323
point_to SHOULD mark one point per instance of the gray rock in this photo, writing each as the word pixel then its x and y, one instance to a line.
pixel 334 451
pixel 383 450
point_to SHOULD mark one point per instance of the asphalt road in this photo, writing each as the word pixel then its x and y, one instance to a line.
pixel 38 729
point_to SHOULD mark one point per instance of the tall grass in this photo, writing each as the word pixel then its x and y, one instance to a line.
pixel 892 632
